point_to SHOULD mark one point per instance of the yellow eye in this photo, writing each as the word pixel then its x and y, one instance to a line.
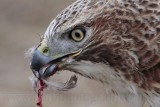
pixel 77 35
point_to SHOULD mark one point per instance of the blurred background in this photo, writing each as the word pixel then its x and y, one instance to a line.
pixel 21 23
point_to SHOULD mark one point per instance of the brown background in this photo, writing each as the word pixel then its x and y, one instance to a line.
pixel 21 21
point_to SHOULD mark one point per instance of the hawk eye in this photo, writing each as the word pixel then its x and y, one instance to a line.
pixel 77 34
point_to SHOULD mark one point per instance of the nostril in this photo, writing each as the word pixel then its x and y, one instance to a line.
pixel 45 50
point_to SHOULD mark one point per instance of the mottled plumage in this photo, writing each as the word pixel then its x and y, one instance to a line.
pixel 121 47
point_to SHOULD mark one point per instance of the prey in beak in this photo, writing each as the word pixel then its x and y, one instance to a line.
pixel 43 66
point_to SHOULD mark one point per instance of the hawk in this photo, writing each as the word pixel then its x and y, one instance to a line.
pixel 116 42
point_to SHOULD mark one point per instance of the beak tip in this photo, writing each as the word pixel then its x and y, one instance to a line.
pixel 38 61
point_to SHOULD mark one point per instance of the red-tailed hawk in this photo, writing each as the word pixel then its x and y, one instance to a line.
pixel 116 42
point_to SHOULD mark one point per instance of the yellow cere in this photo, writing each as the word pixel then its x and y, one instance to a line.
pixel 43 48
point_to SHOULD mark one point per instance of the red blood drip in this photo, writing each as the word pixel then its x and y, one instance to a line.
pixel 40 92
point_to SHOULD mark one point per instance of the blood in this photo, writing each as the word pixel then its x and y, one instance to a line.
pixel 49 72
pixel 40 92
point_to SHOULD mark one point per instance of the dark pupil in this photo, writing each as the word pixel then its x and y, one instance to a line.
pixel 77 35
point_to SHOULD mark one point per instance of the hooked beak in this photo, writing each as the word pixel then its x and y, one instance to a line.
pixel 41 65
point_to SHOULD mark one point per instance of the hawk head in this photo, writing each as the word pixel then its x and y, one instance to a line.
pixel 112 41
pixel 76 41
pixel 104 40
